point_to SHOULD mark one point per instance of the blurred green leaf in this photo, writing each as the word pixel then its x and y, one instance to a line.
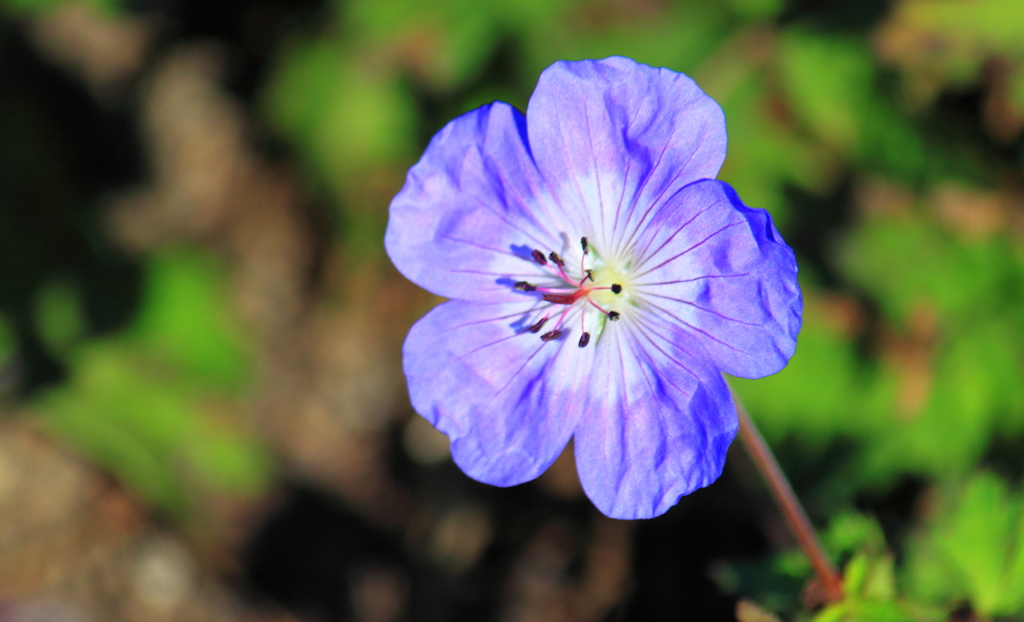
pixel 869 580
pixel 347 115
pixel 870 577
pixel 994 24
pixel 59 317
pixel 187 320
pixel 851 532
pixel 975 390
pixel 757 9
pixel 826 390
pixel 1017 88
pixel 39 6
pixel 445 41
pixel 828 82
pixel 8 339
pixel 678 35
pixel 947 44
pixel 153 404
pixel 774 581
pixel 910 262
pixel 974 550
pixel 769 156
pixel 863 611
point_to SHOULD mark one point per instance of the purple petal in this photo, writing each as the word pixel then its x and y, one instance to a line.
pixel 508 401
pixel 472 209
pixel 721 269
pixel 615 138
pixel 664 422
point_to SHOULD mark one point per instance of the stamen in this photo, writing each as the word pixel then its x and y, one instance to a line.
pixel 612 315
pixel 539 325
pixel 567 296
pixel 551 335
pixel 583 260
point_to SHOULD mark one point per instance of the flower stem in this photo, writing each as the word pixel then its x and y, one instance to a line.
pixel 829 580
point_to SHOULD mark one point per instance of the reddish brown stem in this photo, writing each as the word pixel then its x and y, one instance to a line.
pixel 828 577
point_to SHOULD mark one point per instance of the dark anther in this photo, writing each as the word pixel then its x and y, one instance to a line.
pixel 539 257
pixel 616 288
pixel 539 325
pixel 584 339
pixel 556 259
pixel 523 286
pixel 613 315
pixel 583 243
pixel 551 335
pixel 590 275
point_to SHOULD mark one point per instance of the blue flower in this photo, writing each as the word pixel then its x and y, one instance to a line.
pixel 600 281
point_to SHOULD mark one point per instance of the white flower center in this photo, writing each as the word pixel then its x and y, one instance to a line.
pixel 596 291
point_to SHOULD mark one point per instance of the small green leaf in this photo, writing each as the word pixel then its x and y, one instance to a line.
pixel 856 574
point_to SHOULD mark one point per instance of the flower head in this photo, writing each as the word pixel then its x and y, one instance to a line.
pixel 600 281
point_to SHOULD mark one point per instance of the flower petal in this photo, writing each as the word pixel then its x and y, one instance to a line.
pixel 721 269
pixel 663 426
pixel 507 400
pixel 469 214
pixel 614 138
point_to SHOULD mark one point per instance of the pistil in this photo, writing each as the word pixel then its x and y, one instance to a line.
pixel 565 299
